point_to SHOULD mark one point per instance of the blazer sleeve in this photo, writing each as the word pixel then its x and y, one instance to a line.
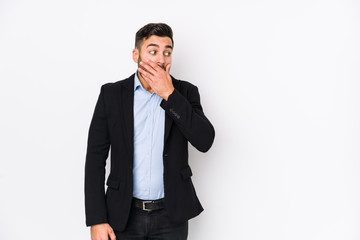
pixel 187 113
pixel 97 152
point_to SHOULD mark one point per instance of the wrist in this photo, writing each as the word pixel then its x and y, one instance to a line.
pixel 166 96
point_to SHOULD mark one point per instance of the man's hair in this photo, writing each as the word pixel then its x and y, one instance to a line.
pixel 157 29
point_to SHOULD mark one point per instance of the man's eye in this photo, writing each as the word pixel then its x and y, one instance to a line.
pixel 167 53
pixel 152 52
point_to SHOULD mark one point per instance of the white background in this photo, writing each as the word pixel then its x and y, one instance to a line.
pixel 279 80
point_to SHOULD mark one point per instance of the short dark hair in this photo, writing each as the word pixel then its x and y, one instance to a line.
pixel 157 29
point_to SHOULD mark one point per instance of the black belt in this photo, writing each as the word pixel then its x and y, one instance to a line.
pixel 148 205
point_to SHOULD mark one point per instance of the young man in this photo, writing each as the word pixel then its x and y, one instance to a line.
pixel 147 120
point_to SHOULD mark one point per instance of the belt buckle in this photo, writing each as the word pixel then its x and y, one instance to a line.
pixel 143 206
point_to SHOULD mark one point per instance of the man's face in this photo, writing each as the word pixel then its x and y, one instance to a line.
pixel 157 49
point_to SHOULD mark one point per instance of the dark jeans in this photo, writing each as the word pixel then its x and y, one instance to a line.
pixel 153 225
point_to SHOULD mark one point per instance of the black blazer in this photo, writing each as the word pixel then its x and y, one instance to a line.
pixel 112 126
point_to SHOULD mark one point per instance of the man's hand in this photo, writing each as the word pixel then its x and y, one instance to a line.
pixel 102 232
pixel 158 78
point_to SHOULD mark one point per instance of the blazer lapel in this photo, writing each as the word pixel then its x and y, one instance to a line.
pixel 168 119
pixel 127 102
pixel 168 124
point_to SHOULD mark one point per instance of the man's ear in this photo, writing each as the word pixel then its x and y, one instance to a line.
pixel 135 55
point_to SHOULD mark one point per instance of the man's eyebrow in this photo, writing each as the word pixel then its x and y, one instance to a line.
pixel 155 45
pixel 152 45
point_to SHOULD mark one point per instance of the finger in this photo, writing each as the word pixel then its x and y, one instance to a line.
pixel 148 67
pixel 146 77
pixel 112 235
pixel 142 66
pixel 145 74
pixel 153 64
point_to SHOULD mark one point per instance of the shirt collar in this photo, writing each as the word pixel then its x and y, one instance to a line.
pixel 136 82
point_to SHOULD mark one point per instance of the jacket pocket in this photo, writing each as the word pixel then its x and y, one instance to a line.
pixel 186 173
pixel 113 182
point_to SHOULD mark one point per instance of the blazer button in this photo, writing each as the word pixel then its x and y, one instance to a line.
pixel 165 155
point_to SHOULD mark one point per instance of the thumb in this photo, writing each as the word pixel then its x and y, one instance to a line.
pixel 168 68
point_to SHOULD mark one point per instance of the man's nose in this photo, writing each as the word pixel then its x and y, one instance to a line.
pixel 161 59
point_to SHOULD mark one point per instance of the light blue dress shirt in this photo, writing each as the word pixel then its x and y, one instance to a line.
pixel 149 125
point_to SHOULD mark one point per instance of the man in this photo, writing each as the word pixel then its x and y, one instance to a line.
pixel 147 120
